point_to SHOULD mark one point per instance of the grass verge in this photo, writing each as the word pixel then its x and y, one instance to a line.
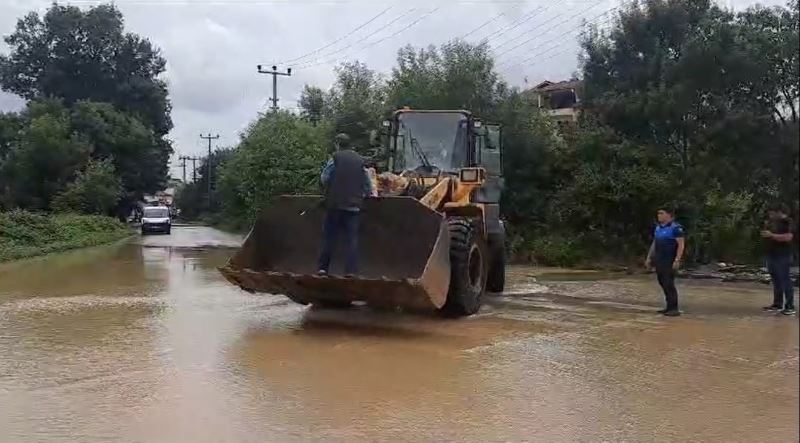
pixel 25 234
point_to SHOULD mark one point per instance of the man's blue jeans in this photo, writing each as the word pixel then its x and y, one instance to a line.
pixel 340 221
pixel 782 289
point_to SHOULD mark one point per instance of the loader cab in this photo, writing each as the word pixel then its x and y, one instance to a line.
pixel 430 143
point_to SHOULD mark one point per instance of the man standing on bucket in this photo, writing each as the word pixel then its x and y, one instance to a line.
pixel 666 253
pixel 346 183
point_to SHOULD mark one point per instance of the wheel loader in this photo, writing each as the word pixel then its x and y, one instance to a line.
pixel 431 241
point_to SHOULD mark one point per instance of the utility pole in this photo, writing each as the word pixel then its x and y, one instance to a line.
pixel 194 160
pixel 194 167
pixel 209 137
pixel 183 166
pixel 275 73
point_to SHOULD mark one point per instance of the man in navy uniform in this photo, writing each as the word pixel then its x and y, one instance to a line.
pixel 666 253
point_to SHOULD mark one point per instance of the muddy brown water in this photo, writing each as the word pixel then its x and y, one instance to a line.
pixel 144 341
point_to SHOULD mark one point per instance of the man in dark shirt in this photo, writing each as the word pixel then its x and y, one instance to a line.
pixel 346 183
pixel 777 235
pixel 666 253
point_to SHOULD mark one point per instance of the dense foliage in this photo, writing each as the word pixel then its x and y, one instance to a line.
pixel 192 198
pixel 95 190
pixel 279 154
pixel 24 234
pixel 96 104
pixel 703 104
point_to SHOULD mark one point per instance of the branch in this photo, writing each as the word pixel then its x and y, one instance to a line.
pixel 790 102
pixel 779 114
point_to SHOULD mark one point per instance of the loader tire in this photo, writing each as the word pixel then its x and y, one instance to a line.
pixel 468 269
pixel 496 280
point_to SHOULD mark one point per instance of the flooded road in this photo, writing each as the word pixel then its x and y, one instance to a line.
pixel 145 342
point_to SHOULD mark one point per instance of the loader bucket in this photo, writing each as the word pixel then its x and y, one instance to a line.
pixel 403 255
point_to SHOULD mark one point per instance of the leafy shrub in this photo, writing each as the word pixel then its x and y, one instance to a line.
pixel 96 190
pixel 25 234
pixel 279 154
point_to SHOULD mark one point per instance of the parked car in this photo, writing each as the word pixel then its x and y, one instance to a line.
pixel 156 219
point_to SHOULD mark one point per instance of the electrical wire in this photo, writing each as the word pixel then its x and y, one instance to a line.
pixel 528 31
pixel 320 60
pixel 358 28
pixel 409 26
pixel 551 28
pixel 513 25
pixel 486 23
pixel 505 65
pixel 555 54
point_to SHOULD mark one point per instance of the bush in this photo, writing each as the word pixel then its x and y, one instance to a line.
pixel 529 245
pixel 96 190
pixel 26 234
pixel 279 154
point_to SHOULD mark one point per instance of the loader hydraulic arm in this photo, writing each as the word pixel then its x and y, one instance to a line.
pixel 435 198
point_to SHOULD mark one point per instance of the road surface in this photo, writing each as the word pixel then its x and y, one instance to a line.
pixel 145 342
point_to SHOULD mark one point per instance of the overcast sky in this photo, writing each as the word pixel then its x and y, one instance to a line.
pixel 212 47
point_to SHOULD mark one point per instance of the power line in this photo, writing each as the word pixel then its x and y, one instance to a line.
pixel 528 31
pixel 515 24
pixel 487 22
pixel 376 42
pixel 555 54
pixel 591 21
pixel 535 14
pixel 539 54
pixel 358 28
pixel 551 28
pixel 320 59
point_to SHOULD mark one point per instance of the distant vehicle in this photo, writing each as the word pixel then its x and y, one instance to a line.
pixel 156 219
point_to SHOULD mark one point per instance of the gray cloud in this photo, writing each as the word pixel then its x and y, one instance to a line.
pixel 213 46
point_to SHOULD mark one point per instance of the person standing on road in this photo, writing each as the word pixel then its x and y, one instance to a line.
pixel 666 253
pixel 346 183
pixel 777 235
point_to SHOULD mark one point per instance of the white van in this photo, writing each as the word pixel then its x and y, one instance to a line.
pixel 156 219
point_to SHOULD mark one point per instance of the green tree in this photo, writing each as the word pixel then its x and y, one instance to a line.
pixel 278 154
pixel 138 155
pixel 192 199
pixel 315 104
pixel 47 156
pixel 79 54
pixel 531 144
pixel 457 75
pixel 708 96
pixel 770 38
pixel 10 126
pixel 95 190
pixel 108 79
pixel 357 103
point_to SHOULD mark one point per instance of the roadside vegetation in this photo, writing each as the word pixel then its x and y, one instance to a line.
pixel 91 140
pixel 24 234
